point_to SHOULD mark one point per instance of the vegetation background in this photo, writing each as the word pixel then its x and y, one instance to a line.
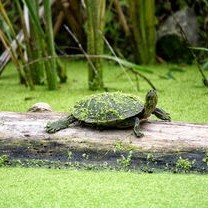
pixel 125 32
pixel 75 48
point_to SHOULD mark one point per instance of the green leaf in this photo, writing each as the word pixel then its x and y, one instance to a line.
pixel 176 69
pixel 35 18
pixel 129 64
pixel 205 65
pixel 6 18
pixel 169 74
pixel 199 48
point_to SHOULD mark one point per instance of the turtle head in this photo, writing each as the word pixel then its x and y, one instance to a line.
pixel 151 102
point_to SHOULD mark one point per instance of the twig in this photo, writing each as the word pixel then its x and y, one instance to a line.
pixel 117 59
pixel 142 76
pixel 81 48
pixel 130 68
pixel 121 17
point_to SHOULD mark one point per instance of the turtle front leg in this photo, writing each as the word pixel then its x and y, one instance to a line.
pixel 63 123
pixel 137 129
pixel 161 114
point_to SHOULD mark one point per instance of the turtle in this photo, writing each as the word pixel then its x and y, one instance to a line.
pixel 112 110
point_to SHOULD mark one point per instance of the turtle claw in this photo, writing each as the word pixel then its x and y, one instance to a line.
pixel 162 114
pixel 52 127
pixel 137 130
pixel 139 134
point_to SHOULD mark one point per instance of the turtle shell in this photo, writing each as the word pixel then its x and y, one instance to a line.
pixel 106 108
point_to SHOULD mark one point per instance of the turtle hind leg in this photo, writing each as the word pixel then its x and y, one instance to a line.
pixel 137 130
pixel 63 123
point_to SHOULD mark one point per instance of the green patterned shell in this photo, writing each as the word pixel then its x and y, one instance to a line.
pixel 107 108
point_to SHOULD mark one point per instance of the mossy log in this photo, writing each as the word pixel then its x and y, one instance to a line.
pixel 22 136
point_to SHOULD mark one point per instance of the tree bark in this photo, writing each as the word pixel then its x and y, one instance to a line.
pixel 23 135
pixel 34 48
pixel 142 18
pixel 51 64
pixel 95 42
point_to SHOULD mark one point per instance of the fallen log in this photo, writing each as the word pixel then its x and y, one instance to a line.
pixel 22 135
